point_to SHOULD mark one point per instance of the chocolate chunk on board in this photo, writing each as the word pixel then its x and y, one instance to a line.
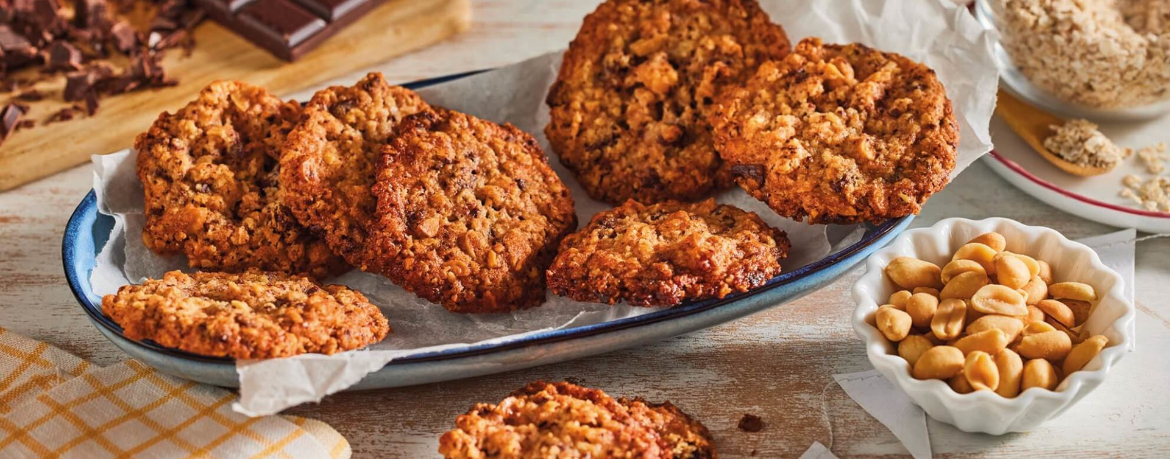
pixel 9 119
pixel 287 28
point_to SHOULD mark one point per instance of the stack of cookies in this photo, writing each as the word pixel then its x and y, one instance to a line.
pixel 658 105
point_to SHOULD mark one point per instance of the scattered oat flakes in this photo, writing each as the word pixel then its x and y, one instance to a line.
pixel 1153 156
pixel 1079 142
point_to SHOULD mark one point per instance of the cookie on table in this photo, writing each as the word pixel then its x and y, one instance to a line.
pixel 209 172
pixel 666 253
pixel 329 160
pixel 628 109
pixel 469 213
pixel 251 315
pixel 564 420
pixel 839 134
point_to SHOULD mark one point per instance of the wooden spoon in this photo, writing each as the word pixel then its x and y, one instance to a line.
pixel 1034 125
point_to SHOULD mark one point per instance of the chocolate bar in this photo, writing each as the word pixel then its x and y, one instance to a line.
pixel 287 28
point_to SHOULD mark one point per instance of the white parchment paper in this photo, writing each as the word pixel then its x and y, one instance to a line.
pixel 941 35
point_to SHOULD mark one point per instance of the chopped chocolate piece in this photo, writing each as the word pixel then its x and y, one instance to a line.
pixel 124 36
pixel 15 48
pixel 91 103
pixel 63 56
pixel 191 18
pixel 79 84
pixel 89 14
pixel 172 40
pixel 163 24
pixel 9 117
pixel 751 423
pixel 25 124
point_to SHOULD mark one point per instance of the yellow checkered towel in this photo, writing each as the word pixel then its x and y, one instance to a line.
pixel 56 405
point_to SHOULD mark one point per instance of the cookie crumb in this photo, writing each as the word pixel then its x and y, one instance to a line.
pixel 1080 142
pixel 751 423
pixel 1152 157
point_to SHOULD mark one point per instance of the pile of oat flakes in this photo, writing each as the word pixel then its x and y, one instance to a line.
pixel 1099 53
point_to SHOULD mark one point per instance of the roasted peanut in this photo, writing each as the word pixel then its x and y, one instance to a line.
pixel 1080 309
pixel 1038 373
pixel 909 273
pixel 1024 294
pixel 980 371
pixel 912 347
pixel 1037 290
pixel 956 267
pixel 1034 315
pixel 979 253
pixel 894 324
pixel 1045 271
pixel 959 384
pixel 921 307
pixel 1010 326
pixel 1037 327
pixel 898 299
pixel 1059 311
pixel 927 290
pixel 1072 335
pixel 1031 263
pixel 963 286
pixel 998 299
pixel 1010 368
pixel 1010 271
pixel 990 341
pixel 1053 345
pixel 1072 291
pixel 949 319
pixel 993 239
pixel 1080 355
pixel 939 362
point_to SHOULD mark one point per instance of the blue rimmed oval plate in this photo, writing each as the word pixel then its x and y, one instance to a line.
pixel 88 230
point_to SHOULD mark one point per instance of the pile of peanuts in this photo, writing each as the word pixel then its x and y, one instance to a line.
pixel 988 320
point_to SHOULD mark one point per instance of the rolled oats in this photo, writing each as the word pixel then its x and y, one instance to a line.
pixel 1099 53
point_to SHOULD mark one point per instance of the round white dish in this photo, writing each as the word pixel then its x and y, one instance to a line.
pixel 984 411
pixel 1093 198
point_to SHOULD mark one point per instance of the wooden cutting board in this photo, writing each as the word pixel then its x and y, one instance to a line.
pixel 392 29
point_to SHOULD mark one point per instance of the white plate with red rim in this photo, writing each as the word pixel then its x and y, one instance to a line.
pixel 1093 198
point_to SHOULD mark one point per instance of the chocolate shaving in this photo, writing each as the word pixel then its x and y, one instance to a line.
pixel 31 95
pixel 751 423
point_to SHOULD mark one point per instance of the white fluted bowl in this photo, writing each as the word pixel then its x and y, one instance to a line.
pixel 984 411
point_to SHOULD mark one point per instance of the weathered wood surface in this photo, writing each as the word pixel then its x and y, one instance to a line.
pixel 776 364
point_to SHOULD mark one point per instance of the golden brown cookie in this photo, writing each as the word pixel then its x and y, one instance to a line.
pixel 567 421
pixel 469 213
pixel 839 134
pixel 628 109
pixel 667 253
pixel 253 315
pixel 209 172
pixel 329 159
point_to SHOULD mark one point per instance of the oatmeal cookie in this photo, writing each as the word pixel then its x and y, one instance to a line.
pixel 469 213
pixel 209 172
pixel 252 315
pixel 839 134
pixel 564 420
pixel 667 253
pixel 329 159
pixel 628 109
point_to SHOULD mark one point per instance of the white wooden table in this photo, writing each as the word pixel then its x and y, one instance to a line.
pixel 776 364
